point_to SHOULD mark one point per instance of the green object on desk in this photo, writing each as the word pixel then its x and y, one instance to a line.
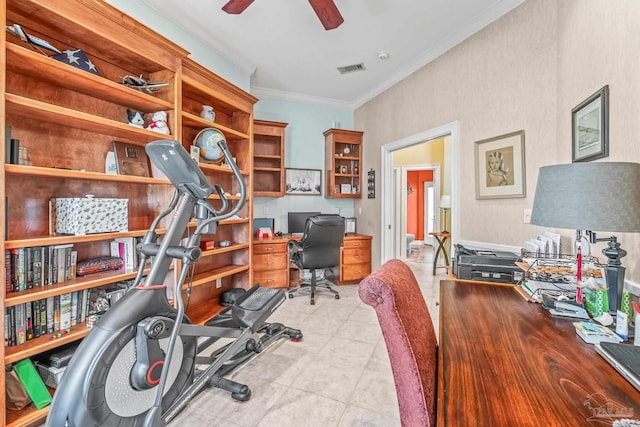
pixel 32 383
pixel 597 301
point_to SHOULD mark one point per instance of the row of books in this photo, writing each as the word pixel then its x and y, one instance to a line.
pixel 32 267
pixel 37 266
pixel 24 322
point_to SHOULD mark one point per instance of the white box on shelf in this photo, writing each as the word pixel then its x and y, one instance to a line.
pixel 345 188
pixel 88 215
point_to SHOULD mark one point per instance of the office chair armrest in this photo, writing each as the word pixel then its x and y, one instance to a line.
pixel 293 248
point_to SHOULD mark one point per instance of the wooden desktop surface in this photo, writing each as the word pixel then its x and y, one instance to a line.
pixel 506 362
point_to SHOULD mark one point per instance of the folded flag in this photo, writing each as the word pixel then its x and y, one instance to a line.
pixel 77 58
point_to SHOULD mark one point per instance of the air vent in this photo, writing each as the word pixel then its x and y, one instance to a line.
pixel 351 68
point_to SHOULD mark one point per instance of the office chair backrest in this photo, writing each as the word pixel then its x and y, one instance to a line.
pixel 321 241
pixel 393 291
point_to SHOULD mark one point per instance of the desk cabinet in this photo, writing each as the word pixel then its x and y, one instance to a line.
pixel 270 263
pixel 355 258
pixel 271 267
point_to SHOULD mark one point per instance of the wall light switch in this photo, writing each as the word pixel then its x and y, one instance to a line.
pixel 218 283
pixel 527 216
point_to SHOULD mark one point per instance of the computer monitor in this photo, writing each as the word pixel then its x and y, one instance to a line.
pixel 297 221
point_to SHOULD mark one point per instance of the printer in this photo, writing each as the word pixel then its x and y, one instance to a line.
pixel 486 265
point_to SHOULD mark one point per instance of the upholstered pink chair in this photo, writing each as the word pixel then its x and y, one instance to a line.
pixel 392 290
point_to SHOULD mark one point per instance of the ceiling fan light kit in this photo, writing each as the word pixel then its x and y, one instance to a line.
pixel 326 10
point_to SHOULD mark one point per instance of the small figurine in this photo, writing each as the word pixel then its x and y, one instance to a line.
pixel 159 123
pixel 207 113
pixel 136 118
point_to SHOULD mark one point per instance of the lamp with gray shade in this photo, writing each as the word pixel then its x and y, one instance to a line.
pixel 602 196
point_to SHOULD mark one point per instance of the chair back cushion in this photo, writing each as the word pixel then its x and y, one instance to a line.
pixel 392 290
pixel 321 242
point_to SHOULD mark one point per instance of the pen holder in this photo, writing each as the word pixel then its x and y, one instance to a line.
pixel 597 301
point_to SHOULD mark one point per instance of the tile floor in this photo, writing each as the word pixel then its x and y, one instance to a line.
pixel 337 375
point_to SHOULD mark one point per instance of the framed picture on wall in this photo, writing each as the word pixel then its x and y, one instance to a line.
pixel 590 127
pixel 500 166
pixel 306 182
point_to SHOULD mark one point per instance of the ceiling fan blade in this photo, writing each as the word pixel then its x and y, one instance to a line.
pixel 328 13
pixel 236 6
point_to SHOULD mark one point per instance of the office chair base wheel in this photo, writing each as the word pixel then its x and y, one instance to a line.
pixel 313 302
pixel 291 296
pixel 337 297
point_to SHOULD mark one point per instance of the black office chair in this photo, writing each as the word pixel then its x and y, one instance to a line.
pixel 318 249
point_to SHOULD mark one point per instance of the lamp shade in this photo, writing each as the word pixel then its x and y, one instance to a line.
pixel 602 196
pixel 445 201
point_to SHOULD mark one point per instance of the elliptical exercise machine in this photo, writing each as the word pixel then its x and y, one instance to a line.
pixel 137 365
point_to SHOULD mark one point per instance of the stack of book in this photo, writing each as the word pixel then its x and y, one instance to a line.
pixel 594 333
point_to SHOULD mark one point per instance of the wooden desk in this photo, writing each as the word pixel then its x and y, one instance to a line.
pixel 505 362
pixel 271 260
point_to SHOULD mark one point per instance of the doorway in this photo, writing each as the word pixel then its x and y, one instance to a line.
pixel 393 241
pixel 430 219
pixel 420 183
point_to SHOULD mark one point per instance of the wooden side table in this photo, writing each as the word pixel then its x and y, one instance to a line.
pixel 441 237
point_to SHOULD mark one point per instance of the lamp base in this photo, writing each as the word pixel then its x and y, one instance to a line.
pixel 615 284
pixel 615 272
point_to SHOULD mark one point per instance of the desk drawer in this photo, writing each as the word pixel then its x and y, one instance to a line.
pixel 355 272
pixel 356 243
pixel 355 256
pixel 271 279
pixel 270 248
pixel 262 262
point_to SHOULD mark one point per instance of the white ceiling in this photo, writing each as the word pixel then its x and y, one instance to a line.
pixel 287 52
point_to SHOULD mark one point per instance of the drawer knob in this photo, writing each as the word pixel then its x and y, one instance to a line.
pixel 269 262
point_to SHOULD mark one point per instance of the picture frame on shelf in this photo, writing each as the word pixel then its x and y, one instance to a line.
pixel 306 182
pixel 500 166
pixel 590 127
pixel 131 159
pixel 345 188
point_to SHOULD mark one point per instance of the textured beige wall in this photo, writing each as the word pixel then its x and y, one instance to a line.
pixel 525 71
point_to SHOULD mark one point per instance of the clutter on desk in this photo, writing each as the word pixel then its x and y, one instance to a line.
pixel 593 333
pixel 569 309
pixel 546 273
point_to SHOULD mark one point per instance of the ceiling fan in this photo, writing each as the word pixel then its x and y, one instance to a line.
pixel 326 10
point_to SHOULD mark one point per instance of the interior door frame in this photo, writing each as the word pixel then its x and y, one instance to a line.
pixel 402 253
pixel 389 228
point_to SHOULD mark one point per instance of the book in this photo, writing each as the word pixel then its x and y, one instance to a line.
pixel 28 308
pixel 28 270
pixel 65 311
pixel 43 316
pixel 56 313
pixel 50 313
pixel 74 308
pixel 36 255
pixel 8 273
pixel 594 333
pixel 62 256
pixel 7 144
pixel 20 324
pixel 22 283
